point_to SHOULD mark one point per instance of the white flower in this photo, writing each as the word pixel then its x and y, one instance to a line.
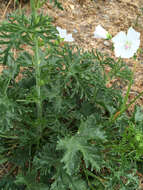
pixel 100 32
pixel 63 34
pixel 126 45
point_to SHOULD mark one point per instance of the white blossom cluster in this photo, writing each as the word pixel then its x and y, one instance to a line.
pixel 125 45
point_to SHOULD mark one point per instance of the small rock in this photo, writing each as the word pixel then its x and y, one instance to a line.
pixel 72 7
pixel 106 43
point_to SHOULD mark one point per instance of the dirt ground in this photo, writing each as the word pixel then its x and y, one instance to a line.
pixel 80 17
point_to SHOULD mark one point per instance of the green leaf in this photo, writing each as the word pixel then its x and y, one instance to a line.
pixel 90 129
pixel 138 116
pixel 71 157
pixel 78 183
pixel 92 157
pixel 30 181
pixel 78 146
pixel 87 108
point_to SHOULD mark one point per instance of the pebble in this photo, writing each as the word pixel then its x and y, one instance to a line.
pixel 106 43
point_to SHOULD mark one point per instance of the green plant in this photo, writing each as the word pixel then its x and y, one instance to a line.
pixel 56 130
pixel 131 143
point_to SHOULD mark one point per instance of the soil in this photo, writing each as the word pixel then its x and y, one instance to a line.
pixel 80 17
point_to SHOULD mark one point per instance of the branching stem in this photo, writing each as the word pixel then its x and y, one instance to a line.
pixel 37 71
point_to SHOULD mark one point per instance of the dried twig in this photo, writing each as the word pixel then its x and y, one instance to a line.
pixel 10 1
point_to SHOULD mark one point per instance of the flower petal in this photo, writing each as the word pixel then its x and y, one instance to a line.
pixel 134 38
pixel 135 47
pixel 100 32
pixel 125 46
pixel 69 38
pixel 132 35
pixel 119 38
pixel 121 51
pixel 118 49
pixel 127 54
pixel 62 32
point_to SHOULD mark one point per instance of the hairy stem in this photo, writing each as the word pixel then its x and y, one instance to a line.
pixel 124 107
pixel 128 90
pixel 37 71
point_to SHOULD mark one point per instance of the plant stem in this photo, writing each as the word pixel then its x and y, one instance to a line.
pixel 94 176
pixel 117 114
pixel 133 101
pixel 37 64
pixel 37 71
pixel 124 107
pixel 33 9
pixel 127 95
pixel 6 87
pixel 9 137
pixel 129 89
pixel 90 185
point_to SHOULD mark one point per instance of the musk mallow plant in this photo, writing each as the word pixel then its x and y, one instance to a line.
pixel 125 46
pixel 55 126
